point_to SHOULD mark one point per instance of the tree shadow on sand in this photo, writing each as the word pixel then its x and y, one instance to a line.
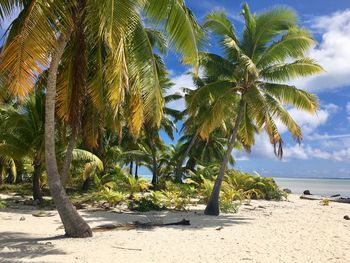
pixel 196 217
pixel 17 247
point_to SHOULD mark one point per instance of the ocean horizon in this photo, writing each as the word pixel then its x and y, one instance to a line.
pixel 318 186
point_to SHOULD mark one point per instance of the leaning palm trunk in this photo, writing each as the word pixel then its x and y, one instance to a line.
pixel 37 194
pixel 178 172
pixel 73 223
pixel 136 170
pixel 213 203
pixel 68 158
pixel 131 166
pixel 154 161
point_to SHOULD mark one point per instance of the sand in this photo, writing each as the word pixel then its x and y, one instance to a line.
pixel 265 231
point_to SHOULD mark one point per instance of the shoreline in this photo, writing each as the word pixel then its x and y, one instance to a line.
pixel 263 231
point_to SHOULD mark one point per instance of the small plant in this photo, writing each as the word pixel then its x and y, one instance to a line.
pixel 2 204
pixel 174 199
pixel 205 189
pixel 112 197
pixel 187 189
pixel 144 204
pixel 231 199
pixel 134 186
pixel 228 206
pixel 254 186
pixel 325 202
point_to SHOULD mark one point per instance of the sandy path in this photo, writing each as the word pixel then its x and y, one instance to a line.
pixel 295 231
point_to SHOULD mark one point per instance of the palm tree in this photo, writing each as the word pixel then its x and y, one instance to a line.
pixel 24 136
pixel 201 118
pixel 210 150
pixel 152 132
pixel 270 52
pixel 39 36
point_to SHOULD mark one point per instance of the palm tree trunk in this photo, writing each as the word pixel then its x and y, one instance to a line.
pixel 19 172
pixel 86 184
pixel 154 162
pixel 68 157
pixel 191 164
pixel 178 172
pixel 37 194
pixel 213 203
pixel 131 166
pixel 136 171
pixel 73 223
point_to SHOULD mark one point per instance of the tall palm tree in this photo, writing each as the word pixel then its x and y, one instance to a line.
pixel 167 124
pixel 39 36
pixel 271 51
pixel 210 150
pixel 201 117
pixel 24 136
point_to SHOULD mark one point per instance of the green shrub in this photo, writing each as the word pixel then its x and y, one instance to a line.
pixel 254 186
pixel 2 203
pixel 205 189
pixel 325 201
pixel 144 204
pixel 228 206
pixel 20 189
pixel 185 190
pixel 175 200
pixel 230 199
pixel 112 197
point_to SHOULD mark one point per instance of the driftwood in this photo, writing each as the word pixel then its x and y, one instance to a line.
pixel 137 225
pixel 331 199
pixel 126 248
pixel 43 214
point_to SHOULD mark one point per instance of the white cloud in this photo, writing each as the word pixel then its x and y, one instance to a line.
pixel 348 110
pixel 337 149
pixel 326 136
pixel 296 151
pixel 307 121
pixel 333 53
pixel 329 147
pixel 180 82
pixel 305 152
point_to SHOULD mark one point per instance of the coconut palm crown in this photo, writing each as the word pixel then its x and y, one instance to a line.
pixel 252 77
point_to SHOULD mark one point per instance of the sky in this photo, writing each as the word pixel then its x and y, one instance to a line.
pixel 325 148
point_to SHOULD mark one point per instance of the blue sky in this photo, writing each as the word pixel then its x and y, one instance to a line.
pixel 325 149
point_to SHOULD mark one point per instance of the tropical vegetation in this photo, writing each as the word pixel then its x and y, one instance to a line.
pixel 85 104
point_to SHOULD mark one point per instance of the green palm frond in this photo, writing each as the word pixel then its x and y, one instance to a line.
pixel 287 71
pixel 291 95
pixel 184 33
pixel 282 114
pixel 260 30
pixel 293 44
pixel 80 155
pixel 218 23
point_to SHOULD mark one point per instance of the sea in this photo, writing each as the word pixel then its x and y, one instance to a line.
pixel 317 186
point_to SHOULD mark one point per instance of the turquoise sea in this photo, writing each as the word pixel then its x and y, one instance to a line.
pixel 318 186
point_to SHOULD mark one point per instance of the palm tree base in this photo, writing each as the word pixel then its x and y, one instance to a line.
pixel 212 209
pixel 80 234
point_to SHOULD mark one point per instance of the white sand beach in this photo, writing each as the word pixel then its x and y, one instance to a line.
pixel 265 231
